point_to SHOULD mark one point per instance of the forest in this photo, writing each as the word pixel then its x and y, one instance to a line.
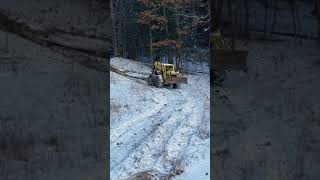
pixel 175 30
pixel 264 114
pixel 299 19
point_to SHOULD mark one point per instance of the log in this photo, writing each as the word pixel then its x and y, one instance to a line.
pixel 89 51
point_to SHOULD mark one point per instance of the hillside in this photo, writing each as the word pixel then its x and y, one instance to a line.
pixel 162 132
pixel 53 95
pixel 266 121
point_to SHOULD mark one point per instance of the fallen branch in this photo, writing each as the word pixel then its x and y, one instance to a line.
pixel 123 73
pixel 88 51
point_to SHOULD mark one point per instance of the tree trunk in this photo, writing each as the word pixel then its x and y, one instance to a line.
pixel 274 17
pixel 114 36
pixel 230 16
pixel 6 46
pixel 218 5
pixel 294 18
pixel 167 33
pixel 124 39
pixel 150 37
pixel 266 8
pixel 246 23
pixel 179 37
pixel 318 17
pixel 194 31
pixel 212 12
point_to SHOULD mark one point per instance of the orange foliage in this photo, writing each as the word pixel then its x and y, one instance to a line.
pixel 178 3
pixel 147 2
pixel 146 17
pixel 166 43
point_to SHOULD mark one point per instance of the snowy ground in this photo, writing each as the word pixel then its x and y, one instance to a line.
pixel 266 121
pixel 161 132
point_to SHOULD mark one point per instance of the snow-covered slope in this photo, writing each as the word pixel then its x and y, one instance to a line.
pixel 52 108
pixel 266 121
pixel 158 132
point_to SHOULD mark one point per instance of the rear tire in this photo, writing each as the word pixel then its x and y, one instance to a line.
pixel 175 86
pixel 158 81
pixel 150 80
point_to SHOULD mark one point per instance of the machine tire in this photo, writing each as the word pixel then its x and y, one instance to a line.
pixel 150 80
pixel 175 86
pixel 158 81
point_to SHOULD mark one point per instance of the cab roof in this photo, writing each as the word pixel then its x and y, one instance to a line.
pixel 165 64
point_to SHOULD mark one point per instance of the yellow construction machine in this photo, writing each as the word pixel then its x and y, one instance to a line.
pixel 165 75
pixel 224 58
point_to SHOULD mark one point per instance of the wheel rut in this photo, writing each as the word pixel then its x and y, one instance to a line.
pixel 126 142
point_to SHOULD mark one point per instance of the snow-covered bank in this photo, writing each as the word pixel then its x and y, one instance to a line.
pixel 266 122
pixel 158 130
pixel 52 108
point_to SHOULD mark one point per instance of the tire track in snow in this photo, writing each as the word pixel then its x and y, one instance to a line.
pixel 175 148
pixel 148 153
pixel 121 128
pixel 160 141
pixel 172 136
pixel 138 131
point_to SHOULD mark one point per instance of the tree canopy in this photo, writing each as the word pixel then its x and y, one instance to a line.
pixel 165 28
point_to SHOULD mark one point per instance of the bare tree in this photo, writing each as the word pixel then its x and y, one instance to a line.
pixel 317 7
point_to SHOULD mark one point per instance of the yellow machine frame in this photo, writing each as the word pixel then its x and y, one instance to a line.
pixel 165 69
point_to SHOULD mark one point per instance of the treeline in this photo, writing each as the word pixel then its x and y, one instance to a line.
pixel 286 17
pixel 171 29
